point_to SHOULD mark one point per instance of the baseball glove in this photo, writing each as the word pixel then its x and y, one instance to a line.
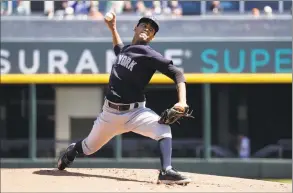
pixel 172 115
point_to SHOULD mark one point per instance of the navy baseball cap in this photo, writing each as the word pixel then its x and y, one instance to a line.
pixel 152 20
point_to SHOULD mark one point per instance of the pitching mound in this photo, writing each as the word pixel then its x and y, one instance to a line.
pixel 124 180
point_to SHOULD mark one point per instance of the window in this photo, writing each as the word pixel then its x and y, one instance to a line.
pixel 37 6
pixel 190 7
pixel 249 5
pixel 287 5
pixel 225 5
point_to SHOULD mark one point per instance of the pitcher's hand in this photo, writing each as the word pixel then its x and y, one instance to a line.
pixel 111 24
pixel 180 106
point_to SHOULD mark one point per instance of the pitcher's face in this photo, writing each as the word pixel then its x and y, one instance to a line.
pixel 145 32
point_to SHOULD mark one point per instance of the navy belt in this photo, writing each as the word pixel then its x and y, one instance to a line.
pixel 121 107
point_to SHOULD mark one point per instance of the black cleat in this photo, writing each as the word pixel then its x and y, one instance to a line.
pixel 172 176
pixel 63 161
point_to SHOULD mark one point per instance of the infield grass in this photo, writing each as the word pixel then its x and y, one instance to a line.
pixel 288 181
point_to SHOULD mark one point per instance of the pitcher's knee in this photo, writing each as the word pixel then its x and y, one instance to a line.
pixel 164 131
pixel 87 149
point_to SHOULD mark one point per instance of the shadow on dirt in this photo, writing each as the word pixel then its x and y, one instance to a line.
pixel 56 172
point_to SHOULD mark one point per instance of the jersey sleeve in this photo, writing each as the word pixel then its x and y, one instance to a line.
pixel 118 48
pixel 166 67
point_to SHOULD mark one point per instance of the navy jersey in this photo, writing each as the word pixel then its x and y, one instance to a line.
pixel 133 69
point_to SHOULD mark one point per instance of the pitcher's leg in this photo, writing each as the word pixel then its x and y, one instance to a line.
pixel 145 123
pixel 101 133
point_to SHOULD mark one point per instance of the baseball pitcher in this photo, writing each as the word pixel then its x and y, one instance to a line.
pixel 124 109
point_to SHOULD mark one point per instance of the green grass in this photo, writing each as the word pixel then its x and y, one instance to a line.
pixel 289 181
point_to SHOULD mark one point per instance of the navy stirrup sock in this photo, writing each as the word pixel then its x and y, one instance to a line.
pixel 165 152
pixel 75 151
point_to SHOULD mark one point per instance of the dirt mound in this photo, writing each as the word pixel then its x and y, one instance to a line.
pixel 124 180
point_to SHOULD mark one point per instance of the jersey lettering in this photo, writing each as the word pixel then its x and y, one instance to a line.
pixel 126 61
pixel 132 71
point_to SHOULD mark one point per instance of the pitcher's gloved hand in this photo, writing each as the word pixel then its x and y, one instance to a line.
pixel 174 114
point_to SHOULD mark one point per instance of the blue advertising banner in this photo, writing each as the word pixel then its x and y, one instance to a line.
pixel 191 57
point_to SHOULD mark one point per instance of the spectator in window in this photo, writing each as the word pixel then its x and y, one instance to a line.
pixel 157 9
pixel 23 7
pixel 268 11
pixel 68 9
pixel 165 8
pixel 65 12
pixel 140 8
pixel 80 7
pixel 4 8
pixel 176 8
pixel 243 146
pixel 94 12
pixel 255 12
pixel 128 7
pixel 115 6
pixel 216 7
